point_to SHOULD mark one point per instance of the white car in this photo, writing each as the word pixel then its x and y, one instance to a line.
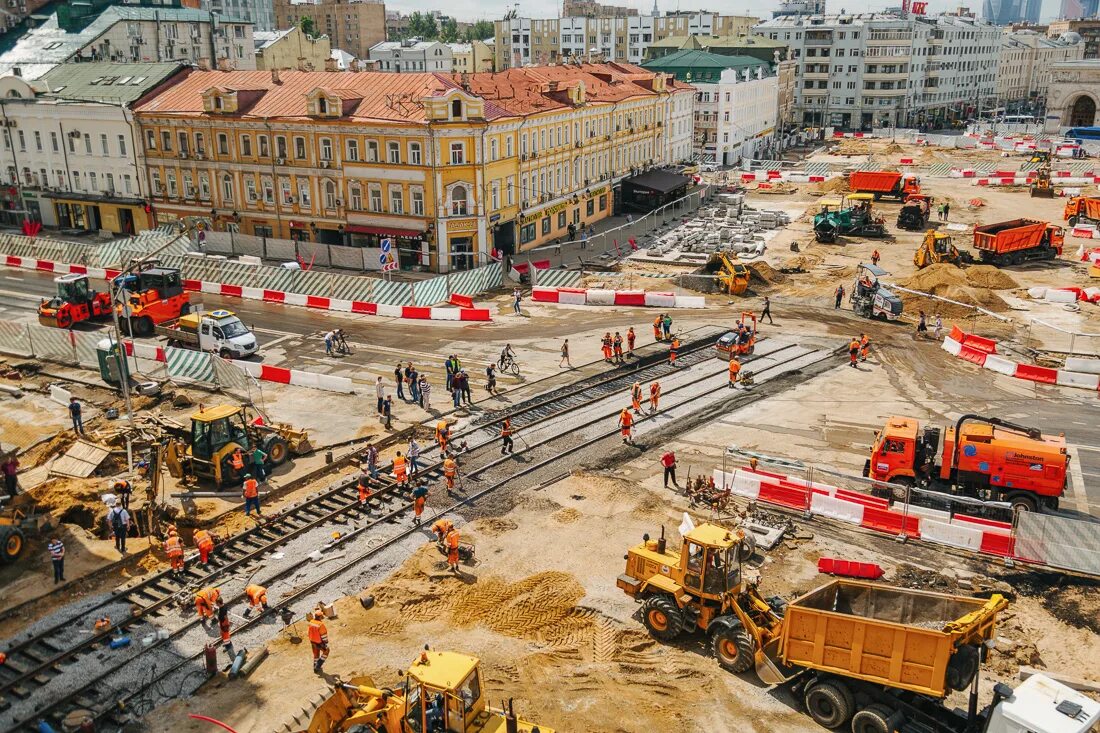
pixel 708 167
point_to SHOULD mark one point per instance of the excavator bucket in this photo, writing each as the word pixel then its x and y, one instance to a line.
pixel 769 668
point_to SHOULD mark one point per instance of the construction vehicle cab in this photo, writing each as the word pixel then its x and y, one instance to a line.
pixel 914 213
pixel 216 434
pixel 739 341
pixel 730 272
pixel 442 691
pixel 1082 210
pixel 1042 186
pixel 937 247
pixel 154 296
pixel 16 526
pixel 75 302
pixel 856 217
pixel 871 299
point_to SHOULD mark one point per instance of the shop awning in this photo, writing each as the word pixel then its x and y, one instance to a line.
pixel 658 180
pixel 383 231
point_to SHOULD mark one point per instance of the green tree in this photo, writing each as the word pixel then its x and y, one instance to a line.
pixel 306 24
pixel 448 33
pixel 416 25
pixel 431 30
pixel 483 29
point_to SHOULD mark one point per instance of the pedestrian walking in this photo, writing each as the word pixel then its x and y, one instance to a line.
pixel 57 557
pixel 380 394
pixel 76 413
pixel 425 393
pixel 205 544
pixel 875 257
pixel 922 324
pixel 251 492
pixel 668 460
pixel 767 312
pixel 565 355
pixel 124 491
pixel 517 297
pixel 387 412
pixel 173 548
pixel 654 397
pixel 839 295
pixel 864 346
pixel 399 378
pixel 11 474
pixel 490 379
pixel 257 599
pixel 118 520
pixel 318 640
pixel 591 230
pixel 672 349
pixel 572 230
pixel 617 348
pixel 735 371
pixel 853 352
pixel 626 425
pixel 372 460
pixel 666 326
pixel 506 444
pixel 467 397
pixel 657 325
pixel 259 467
pixel 938 327
pixel 630 337
pixel 947 211
pixel 450 471
pixel 413 452
pixel 224 626
pixel 420 497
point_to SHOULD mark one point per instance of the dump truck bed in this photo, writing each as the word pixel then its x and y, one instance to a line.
pixel 874 181
pixel 896 637
pixel 1009 236
pixel 1090 208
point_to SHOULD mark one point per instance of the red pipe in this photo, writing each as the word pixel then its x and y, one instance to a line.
pixel 212 720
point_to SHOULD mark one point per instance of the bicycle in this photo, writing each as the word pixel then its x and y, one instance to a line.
pixel 508 365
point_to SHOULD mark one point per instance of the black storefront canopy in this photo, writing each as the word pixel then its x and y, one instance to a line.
pixel 653 189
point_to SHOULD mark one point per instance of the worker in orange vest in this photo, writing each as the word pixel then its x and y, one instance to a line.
pixel 257 599
pixel 864 346
pixel 452 549
pixel 853 352
pixel 205 601
pixel 626 424
pixel 450 469
pixel 420 497
pixel 672 349
pixel 174 549
pixel 365 491
pixel 735 371
pixel 236 460
pixel 617 348
pixel 400 469
pixel 442 528
pixel 657 327
pixel 875 257
pixel 606 346
pixel 654 396
pixel 251 492
pixel 636 398
pixel 222 612
pixel 630 341
pixel 506 444
pixel 442 435
pixel 205 543
pixel 318 640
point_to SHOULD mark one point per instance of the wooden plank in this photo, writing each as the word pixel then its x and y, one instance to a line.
pixel 80 461
pixel 35 477
pixel 1077 683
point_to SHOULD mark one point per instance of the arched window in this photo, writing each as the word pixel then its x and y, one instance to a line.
pixel 330 195
pixel 14 94
pixel 355 193
pixel 227 187
pixel 456 109
pixel 458 201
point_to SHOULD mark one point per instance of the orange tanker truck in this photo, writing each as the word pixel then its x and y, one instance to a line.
pixel 994 460
pixel 1082 210
pixel 1018 240
pixel 883 184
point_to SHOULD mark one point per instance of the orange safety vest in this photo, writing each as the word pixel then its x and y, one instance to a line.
pixel 506 428
pixel 656 322
pixel 441 431
pixel 318 634
pixel 854 346
pixel 203 539
pixel 257 594
pixel 452 539
pixel 237 461
pixel 443 526
pixel 173 547
pixel 449 467
pixel 654 391
pixel 735 367
pixel 625 418
pixel 399 467
pixel 251 489
pixel 863 343
pixel 209 596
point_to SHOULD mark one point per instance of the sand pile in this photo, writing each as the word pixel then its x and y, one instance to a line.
pixel 765 273
pixel 832 185
pixel 948 281
pixel 72 501
pixel 987 276
pixel 894 148
pixel 853 147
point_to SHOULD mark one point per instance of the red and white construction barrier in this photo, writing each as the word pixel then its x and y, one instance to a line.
pixel 272 296
pixel 1084 232
pixel 264 372
pixel 600 296
pixel 984 536
pixel 1069 294
pixel 983 352
pixel 1089 254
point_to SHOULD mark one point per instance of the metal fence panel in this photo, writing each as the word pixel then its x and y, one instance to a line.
pixel 86 349
pixel 185 364
pixel 392 293
pixel 557 278
pixel 14 339
pixel 430 292
pixel 228 376
pixel 1060 542
pixel 349 258
pixel 52 344
pixel 314 253
pixel 281 249
pixel 352 287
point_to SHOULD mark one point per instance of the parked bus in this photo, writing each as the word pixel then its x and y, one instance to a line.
pixel 1083 133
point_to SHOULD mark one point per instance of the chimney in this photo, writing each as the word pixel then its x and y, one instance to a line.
pixel 225 65
pixel 204 64
pixel 354 65
pixel 275 77
pixel 303 65
pixel 330 64
pixel 553 86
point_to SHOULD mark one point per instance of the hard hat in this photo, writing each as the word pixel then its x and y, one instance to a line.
pixel 248 475
pixel 171 531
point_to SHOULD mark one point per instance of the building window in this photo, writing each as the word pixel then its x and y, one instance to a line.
pixel 414 154
pixel 165 142
pixel 250 189
pixel 280 147
pixel 561 220
pixel 326 149
pixel 122 146
pixel 330 195
pixel 173 189
pixel 508 146
pixel 590 208
pixel 493 149
pixel 456 109
pixel 355 193
pixel 397 201
pixel 38 141
pixel 494 195
pixel 458 200
pixel 372 151
pixel 127 184
pixel 393 152
pixel 527 233
pixel 200 143
pixel 76 179
pixel 545 225
pixel 304 198
pixel 23 142
pixel 284 191
pixel 268 187
pixel 223 144
pixel 265 150
pixel 458 154
pixel 227 188
pixel 53 141
pixel 157 187
pixel 300 148
pixel 188 185
pixel 417 197
pixel 246 146
pixel 353 150
pixel 375 198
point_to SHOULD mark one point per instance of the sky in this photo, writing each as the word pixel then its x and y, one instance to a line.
pixel 471 10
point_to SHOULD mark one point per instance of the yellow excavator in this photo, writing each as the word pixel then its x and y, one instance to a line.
pixel 442 691
pixel 937 247
pixel 216 434
pixel 730 271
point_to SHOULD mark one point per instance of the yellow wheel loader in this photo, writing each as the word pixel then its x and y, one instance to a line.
pixel 937 247
pixel 730 272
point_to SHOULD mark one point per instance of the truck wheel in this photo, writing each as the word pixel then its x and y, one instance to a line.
pixel 1072 221
pixel 143 326
pixel 829 704
pixel 11 543
pixel 662 618
pixel 185 309
pixel 1022 503
pixel 276 449
pixel 961 668
pixel 734 648
pixel 872 719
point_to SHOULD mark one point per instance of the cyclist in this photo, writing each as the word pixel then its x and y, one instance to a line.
pixel 507 356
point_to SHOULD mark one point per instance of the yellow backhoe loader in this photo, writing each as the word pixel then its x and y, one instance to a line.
pixel 937 247
pixel 730 272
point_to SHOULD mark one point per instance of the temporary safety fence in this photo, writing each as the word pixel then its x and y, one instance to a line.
pixel 1083 373
pixel 600 296
pixel 1047 540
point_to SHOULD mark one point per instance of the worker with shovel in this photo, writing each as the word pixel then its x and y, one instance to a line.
pixel 654 397
pixel 450 470
pixel 636 398
pixel 442 528
pixel 420 496
pixel 626 425
pixel 506 444
pixel 205 543
pixel 257 599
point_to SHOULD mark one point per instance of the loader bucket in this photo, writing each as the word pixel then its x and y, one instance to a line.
pixel 769 668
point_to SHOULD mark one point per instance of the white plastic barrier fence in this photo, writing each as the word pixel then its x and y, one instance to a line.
pixel 953 535
pixel 845 511
pixel 1085 366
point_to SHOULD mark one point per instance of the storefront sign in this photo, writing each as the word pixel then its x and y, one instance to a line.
pixel 494 217
pixel 462 225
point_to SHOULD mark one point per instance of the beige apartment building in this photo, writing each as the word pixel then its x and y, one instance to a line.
pixel 291 49
pixel 471 58
pixel 1025 65
pixel 350 26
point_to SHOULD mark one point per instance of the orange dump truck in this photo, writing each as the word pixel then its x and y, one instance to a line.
pixel 994 460
pixel 884 183
pixel 1082 210
pixel 1018 240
